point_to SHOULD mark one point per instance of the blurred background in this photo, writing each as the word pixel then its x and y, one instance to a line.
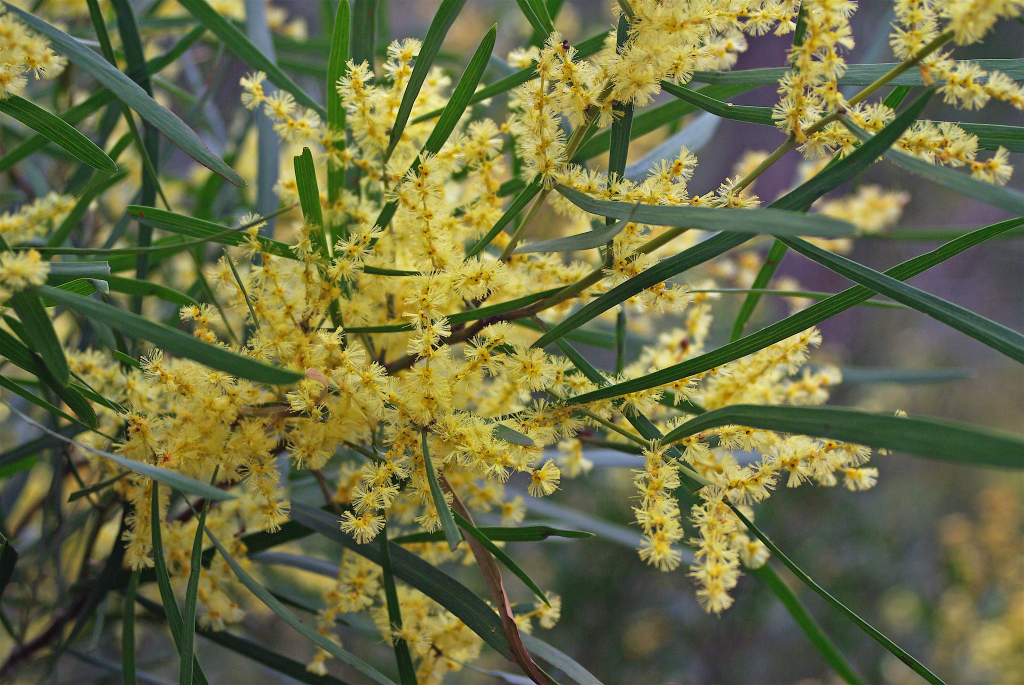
pixel 932 555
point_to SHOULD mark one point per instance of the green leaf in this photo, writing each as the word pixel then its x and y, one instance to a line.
pixel 236 42
pixel 63 271
pixel 269 658
pixel 406 670
pixel 102 485
pixel 336 66
pixel 163 581
pixel 764 276
pixel 855 74
pixel 8 559
pixel 132 286
pixel 665 269
pixel 725 110
pixel 833 176
pixel 57 130
pixel 499 534
pixel 80 286
pixel 926 437
pixel 172 340
pixel 858 375
pixel 501 556
pixel 38 401
pixel 436 33
pixel 188 617
pixel 23 457
pixel 891 646
pixel 996 336
pixel 39 329
pixel 518 204
pixel 418 573
pixel 747 221
pixel 309 199
pixel 19 355
pixel 796 323
pixel 364 30
pixel 206 230
pixel 130 93
pixel 992 136
pixel 128 631
pixel 503 432
pixel 444 512
pixel 998 196
pixel 530 12
pixel 581 241
pixel 292 620
pixel 811 629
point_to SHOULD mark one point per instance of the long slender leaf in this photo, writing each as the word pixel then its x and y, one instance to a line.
pixel 998 337
pixel 889 645
pixel 336 65
pixel 309 198
pixel 36 400
pixel 559 660
pixel 439 25
pixel 580 241
pixel 199 228
pixel 236 42
pixel 173 340
pixel 993 136
pixel 518 204
pixel 39 329
pixel 501 556
pixel 811 629
pixel 444 512
pixel 128 660
pixel 798 322
pixel 188 616
pixel 665 269
pixel 499 534
pixel 855 74
pixel 131 94
pixel 18 354
pixel 57 130
pixel 998 196
pixel 764 276
pixel 775 221
pixel 926 437
pixel 292 620
pixel 406 670
pixel 725 110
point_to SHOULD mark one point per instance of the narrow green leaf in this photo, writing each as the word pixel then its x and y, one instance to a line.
pixel 801 197
pixel 998 196
pixel 130 93
pixel 128 631
pixel 580 241
pixel 444 512
pixel 764 276
pixel 364 31
pixel 528 10
pixel 832 656
pixel 39 329
pixel 501 556
pixel 236 42
pixel 172 340
pixel 188 617
pixel 992 136
pixel 798 322
pixel 725 110
pixel 80 286
pixel 406 670
pixel 8 559
pixel 163 581
pixel 18 354
pixel 436 33
pixel 132 286
pixel 57 130
pixel 926 437
pixel 23 456
pixel 206 230
pixel 72 270
pixel 36 400
pixel 998 337
pixel 309 198
pixel 336 66
pixel 503 432
pixel 747 221
pixel 102 485
pixel 855 74
pixel 499 534
pixel 860 375
pixel 292 620
pixel 518 204
pixel 665 269
pixel 889 645
pixel 418 573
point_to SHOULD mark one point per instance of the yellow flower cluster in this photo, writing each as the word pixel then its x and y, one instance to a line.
pixel 23 52
pixel 20 270
pixel 36 218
